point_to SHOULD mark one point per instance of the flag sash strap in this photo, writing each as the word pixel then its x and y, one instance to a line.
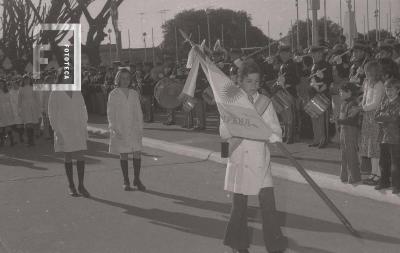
pixel 261 105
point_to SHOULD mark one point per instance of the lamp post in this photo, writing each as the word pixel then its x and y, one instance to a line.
pixel 208 27
pixel 109 44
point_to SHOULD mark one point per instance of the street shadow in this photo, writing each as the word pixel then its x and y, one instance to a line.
pixel 286 219
pixel 192 224
pixel 8 161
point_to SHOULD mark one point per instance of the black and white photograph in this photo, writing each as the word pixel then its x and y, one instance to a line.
pixel 186 126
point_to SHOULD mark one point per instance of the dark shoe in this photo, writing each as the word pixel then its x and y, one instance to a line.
pixel 322 145
pixel 382 186
pixel 137 183
pixel 290 141
pixel 313 144
pixel 396 190
pixel 73 192
pixel 127 187
pixel 169 123
pixel 373 180
pixel 198 128
pixel 82 190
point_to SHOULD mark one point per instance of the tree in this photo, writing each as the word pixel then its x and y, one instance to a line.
pixel 334 31
pixel 96 32
pixel 233 29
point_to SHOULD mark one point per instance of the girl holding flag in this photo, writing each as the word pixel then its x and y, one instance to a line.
pixel 249 171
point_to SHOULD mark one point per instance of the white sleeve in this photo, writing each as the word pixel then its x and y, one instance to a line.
pixel 53 110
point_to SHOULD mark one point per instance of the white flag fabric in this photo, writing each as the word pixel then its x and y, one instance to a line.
pixel 236 111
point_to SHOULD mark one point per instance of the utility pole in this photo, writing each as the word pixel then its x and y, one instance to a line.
pixel 315 5
pixel 297 25
pixel 367 20
pixel 325 24
pixel 308 25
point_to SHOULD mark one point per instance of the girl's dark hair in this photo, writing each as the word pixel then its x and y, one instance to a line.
pixel 389 68
pixel 248 67
pixel 348 86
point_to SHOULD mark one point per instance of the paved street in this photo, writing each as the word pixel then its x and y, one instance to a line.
pixel 185 209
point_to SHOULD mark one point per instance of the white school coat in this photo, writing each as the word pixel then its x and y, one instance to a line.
pixel 125 116
pixel 6 112
pixel 68 118
pixel 28 105
pixel 14 94
pixel 249 168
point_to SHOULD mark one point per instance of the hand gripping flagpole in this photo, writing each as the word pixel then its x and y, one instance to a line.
pixel 297 165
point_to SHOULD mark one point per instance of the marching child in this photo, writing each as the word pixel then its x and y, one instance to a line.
pixel 18 124
pixel 29 108
pixel 125 119
pixel 68 118
pixel 388 118
pixel 6 114
pixel 349 131
pixel 249 171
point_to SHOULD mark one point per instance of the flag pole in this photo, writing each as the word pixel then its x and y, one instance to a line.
pixel 367 20
pixel 297 165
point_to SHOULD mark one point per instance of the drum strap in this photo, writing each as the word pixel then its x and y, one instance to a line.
pixel 261 106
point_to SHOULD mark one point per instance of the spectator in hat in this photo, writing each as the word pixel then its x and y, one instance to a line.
pixel 385 50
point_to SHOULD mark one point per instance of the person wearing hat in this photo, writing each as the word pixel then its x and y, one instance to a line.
pixel 385 50
pixel 125 121
pixel 288 79
pixel 321 81
pixel 388 118
pixel 396 53
pixel 68 118
pixel 359 56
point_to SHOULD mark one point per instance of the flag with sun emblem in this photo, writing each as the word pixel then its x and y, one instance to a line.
pixel 237 112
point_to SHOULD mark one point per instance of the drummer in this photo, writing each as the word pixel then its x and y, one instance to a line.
pixel 320 83
pixel 288 79
pixel 148 93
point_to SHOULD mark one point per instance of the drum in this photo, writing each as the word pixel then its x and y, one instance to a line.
pixel 281 101
pixel 167 91
pixel 208 96
pixel 317 105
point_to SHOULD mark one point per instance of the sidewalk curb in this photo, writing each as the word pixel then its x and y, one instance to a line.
pixel 326 181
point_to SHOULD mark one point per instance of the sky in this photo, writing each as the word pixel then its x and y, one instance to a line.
pixel 278 12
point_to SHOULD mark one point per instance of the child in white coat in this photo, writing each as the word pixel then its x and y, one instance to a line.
pixel 248 171
pixel 68 118
pixel 6 114
pixel 125 119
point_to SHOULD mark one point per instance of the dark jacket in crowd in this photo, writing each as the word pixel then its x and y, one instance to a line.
pixel 327 78
pixel 344 117
pixel 292 79
pixel 388 117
